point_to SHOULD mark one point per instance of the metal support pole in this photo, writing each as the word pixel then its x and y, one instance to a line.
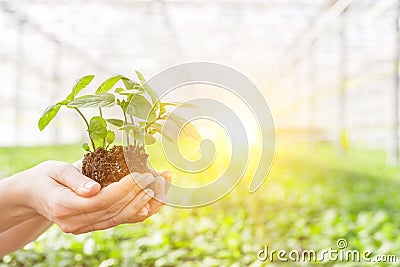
pixel 18 78
pixel 312 106
pixel 56 82
pixel 393 157
pixel 343 139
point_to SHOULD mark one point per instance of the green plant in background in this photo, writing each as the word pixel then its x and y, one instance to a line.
pixel 312 198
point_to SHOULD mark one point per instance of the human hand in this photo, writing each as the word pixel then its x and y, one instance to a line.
pixel 93 209
pixel 159 186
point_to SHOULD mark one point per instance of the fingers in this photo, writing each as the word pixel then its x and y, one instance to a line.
pixel 120 202
pixel 120 193
pixel 158 186
pixel 161 196
pixel 167 174
pixel 78 165
pixel 69 176
pixel 168 177
pixel 145 210
pixel 137 210
pixel 156 204
pixel 110 201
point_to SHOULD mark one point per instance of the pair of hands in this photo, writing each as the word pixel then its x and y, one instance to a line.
pixel 60 193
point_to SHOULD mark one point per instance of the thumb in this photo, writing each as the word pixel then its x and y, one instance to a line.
pixel 69 176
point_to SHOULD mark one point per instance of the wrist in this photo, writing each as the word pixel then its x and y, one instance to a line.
pixel 15 201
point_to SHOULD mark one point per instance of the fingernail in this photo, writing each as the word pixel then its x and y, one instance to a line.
pixel 89 185
pixel 148 194
pixel 163 198
pixel 144 212
pixel 144 179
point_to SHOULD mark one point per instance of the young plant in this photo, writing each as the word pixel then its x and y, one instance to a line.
pixel 140 119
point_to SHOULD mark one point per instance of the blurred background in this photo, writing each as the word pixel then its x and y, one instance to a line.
pixel 328 69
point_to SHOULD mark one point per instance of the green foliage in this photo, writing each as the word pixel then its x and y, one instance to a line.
pixel 187 128
pixel 139 107
pixel 50 112
pixel 116 122
pixel 80 84
pixel 146 87
pixel 108 84
pixel 97 128
pixel 93 101
pixel 48 115
pixel 110 137
pixel 311 198
pixel 85 147
pixel 143 115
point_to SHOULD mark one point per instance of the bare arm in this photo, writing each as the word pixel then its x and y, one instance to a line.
pixel 22 234
pixel 57 192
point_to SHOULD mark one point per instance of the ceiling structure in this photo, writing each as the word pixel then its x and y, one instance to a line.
pixel 326 65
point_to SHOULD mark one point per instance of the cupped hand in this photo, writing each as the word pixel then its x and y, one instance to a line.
pixel 78 205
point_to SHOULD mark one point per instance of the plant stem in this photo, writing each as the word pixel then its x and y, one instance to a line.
pixel 149 124
pixel 133 123
pixel 127 131
pixel 87 125
pixel 101 115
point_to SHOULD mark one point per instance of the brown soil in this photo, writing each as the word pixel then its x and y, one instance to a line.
pixel 108 166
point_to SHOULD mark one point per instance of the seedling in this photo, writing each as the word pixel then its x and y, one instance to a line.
pixel 141 119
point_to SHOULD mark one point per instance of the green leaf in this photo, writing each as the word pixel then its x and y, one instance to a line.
pixel 147 88
pixel 108 84
pixel 149 139
pixel 79 85
pixel 141 108
pixel 123 104
pixel 93 101
pixel 143 138
pixel 97 128
pixel 116 122
pixel 130 92
pixel 186 127
pixel 138 136
pixel 176 104
pixel 131 85
pixel 64 102
pixel 162 109
pixel 110 137
pixel 48 115
pixel 158 128
pixel 119 89
pixel 86 147
pixel 131 127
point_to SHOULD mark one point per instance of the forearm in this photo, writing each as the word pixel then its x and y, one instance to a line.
pixel 23 233
pixel 13 202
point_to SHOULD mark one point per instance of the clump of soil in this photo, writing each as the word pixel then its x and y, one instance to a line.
pixel 108 166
